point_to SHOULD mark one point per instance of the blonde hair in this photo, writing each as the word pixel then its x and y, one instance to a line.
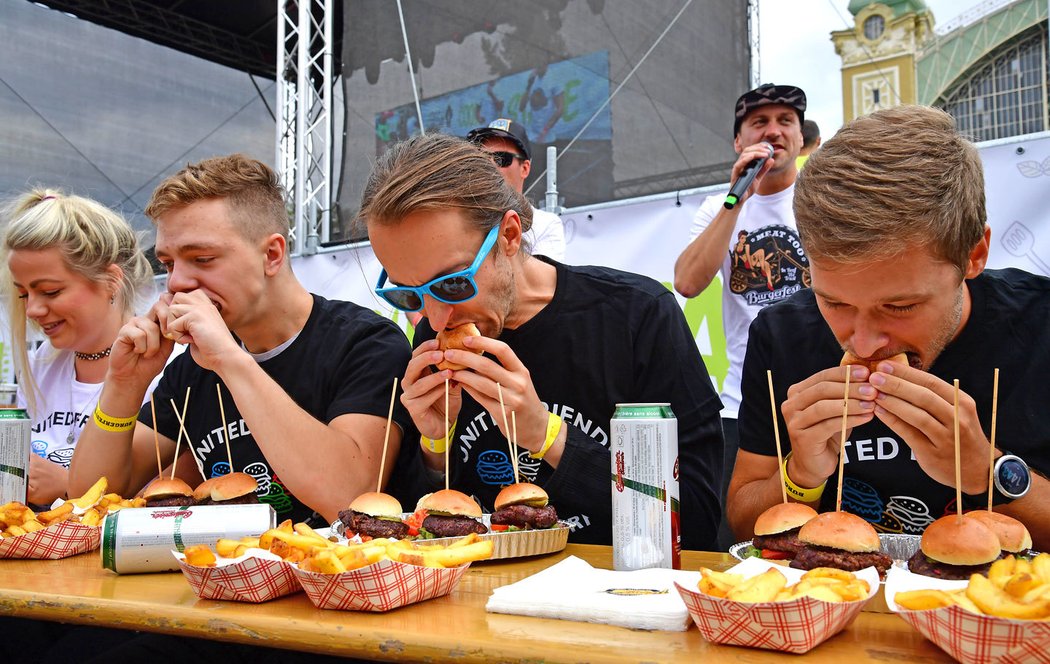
pixel 253 194
pixel 90 238
pixel 438 172
pixel 895 179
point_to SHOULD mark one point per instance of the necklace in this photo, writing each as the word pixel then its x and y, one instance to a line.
pixel 93 356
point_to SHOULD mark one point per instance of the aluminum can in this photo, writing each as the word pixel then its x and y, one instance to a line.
pixel 15 430
pixel 646 522
pixel 141 539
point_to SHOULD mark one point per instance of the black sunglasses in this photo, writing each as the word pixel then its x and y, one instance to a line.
pixel 504 159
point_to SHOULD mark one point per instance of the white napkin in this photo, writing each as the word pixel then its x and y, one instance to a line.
pixel 573 590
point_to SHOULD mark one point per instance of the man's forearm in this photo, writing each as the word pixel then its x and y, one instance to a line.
pixel 107 453
pixel 746 503
pixel 698 264
pixel 1034 512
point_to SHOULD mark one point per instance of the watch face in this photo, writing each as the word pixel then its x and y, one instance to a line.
pixel 1013 477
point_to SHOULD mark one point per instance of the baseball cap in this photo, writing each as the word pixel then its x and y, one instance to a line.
pixel 766 94
pixel 503 128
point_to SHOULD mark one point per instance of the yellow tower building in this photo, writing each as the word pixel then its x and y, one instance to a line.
pixel 879 54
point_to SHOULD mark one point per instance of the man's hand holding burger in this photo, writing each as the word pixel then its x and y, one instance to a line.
pixel 192 318
pixel 424 391
pixel 920 408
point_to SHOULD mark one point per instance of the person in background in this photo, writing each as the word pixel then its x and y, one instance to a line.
pixel 563 345
pixel 891 211
pixel 754 246
pixel 306 381
pixel 810 142
pixel 73 272
pixel 508 143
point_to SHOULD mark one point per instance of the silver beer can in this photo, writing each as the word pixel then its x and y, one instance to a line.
pixel 15 431
pixel 141 539
pixel 646 521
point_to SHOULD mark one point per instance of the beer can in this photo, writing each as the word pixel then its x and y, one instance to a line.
pixel 646 524
pixel 141 539
pixel 15 429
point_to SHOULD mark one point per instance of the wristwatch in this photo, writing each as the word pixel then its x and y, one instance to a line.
pixel 1012 477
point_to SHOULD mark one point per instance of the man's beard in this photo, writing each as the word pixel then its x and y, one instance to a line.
pixel 502 294
pixel 947 331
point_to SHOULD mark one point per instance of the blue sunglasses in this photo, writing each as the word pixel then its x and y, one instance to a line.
pixel 450 289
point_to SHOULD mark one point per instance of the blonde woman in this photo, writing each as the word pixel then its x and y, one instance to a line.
pixel 73 273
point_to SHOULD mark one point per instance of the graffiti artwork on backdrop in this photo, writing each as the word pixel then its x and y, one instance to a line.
pixel 553 102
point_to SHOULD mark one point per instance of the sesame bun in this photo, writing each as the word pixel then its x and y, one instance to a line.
pixel 377 504
pixel 453 338
pixel 1012 534
pixel 522 493
pixel 783 516
pixel 166 488
pixel 851 359
pixel 958 540
pixel 841 530
pixel 450 501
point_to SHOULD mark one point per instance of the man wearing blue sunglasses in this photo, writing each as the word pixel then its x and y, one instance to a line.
pixel 562 346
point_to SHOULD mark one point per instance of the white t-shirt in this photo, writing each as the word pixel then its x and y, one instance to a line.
pixel 64 404
pixel 547 235
pixel 770 241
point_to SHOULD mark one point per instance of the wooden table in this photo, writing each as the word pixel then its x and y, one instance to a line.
pixel 455 628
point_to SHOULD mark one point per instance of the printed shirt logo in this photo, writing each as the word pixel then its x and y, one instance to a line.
pixel 768 265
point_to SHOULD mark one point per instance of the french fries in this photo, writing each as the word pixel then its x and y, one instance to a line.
pixel 302 545
pixel 823 583
pixel 17 519
pixel 1014 588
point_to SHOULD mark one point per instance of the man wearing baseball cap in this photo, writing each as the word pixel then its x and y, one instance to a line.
pixel 508 143
pixel 754 245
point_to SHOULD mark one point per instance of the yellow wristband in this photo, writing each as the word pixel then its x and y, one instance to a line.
pixel 110 423
pixel 554 424
pixel 441 444
pixel 797 492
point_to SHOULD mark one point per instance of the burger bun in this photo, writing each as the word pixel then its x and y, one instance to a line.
pixel 1012 534
pixel 166 488
pixel 841 530
pixel 522 493
pixel 958 540
pixel 453 339
pixel 872 365
pixel 451 502
pixel 377 504
pixel 782 517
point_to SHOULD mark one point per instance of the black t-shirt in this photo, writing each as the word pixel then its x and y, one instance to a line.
pixel 343 361
pixel 1007 328
pixel 606 337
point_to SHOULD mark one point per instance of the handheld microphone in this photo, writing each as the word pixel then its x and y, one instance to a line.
pixel 740 187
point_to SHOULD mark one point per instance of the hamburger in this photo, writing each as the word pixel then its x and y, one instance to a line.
pixel 954 547
pixel 1014 537
pixel 374 514
pixel 900 358
pixel 450 513
pixel 841 540
pixel 776 530
pixel 452 338
pixel 164 492
pixel 231 489
pixel 523 506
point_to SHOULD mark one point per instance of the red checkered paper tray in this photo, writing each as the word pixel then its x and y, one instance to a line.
pixel 381 586
pixel 257 576
pixel 968 637
pixel 60 540
pixel 795 626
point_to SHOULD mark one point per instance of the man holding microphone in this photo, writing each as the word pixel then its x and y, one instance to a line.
pixel 750 236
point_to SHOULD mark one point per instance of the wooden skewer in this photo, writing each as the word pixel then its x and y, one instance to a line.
pixel 842 442
pixel 958 469
pixel 448 443
pixel 225 431
pixel 511 442
pixel 776 436
pixel 182 429
pixel 386 436
pixel 991 448
pixel 514 445
pixel 156 436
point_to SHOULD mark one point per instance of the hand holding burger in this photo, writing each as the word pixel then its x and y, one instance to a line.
pixel 452 338
pixel 849 359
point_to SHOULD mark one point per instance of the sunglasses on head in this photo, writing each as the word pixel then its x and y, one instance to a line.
pixel 504 159
pixel 450 288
